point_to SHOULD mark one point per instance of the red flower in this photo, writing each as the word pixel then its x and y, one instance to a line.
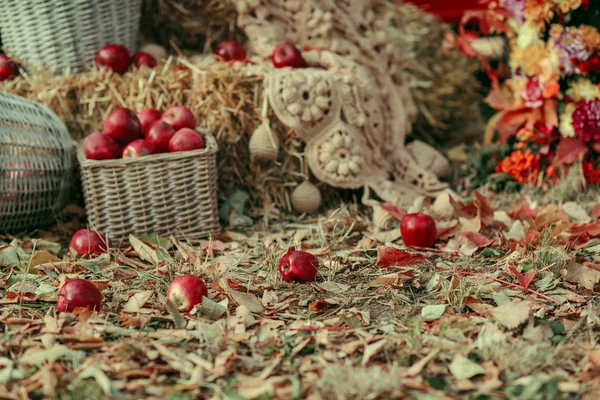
pixel 586 120
pixel 591 174
pixel 532 93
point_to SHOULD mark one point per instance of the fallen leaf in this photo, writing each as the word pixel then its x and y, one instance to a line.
pixel 248 300
pixel 144 251
pixel 212 309
pixel 463 368
pixel 512 314
pixel 102 380
pixel 586 277
pixel 569 150
pixel 575 211
pixel 372 349
pixel 391 257
pixel 41 357
pixel 137 301
pixel 319 306
pixel 433 311
pixel 178 319
pixel 395 279
pixel 41 257
pixel 334 287
pixel 524 280
pixel 394 211
pixel 596 211
pixel 9 257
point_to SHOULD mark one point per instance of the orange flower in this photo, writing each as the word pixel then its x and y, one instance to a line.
pixel 590 38
pixel 538 12
pixel 523 167
pixel 551 89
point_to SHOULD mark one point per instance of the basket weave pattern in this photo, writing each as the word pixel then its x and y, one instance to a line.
pixel 164 194
pixel 66 33
pixel 36 161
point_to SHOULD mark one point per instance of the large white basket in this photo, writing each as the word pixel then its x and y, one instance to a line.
pixel 55 34
pixel 36 163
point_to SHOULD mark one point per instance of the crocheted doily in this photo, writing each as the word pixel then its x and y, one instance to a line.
pixel 352 107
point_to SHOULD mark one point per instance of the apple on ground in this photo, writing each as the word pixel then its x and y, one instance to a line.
pixel 78 293
pixel 99 146
pixel 418 230
pixel 186 291
pixel 114 57
pixel 88 243
pixel 8 68
pixel 298 266
pixel 159 135
pixel 138 148
pixel 186 139
pixel 287 55
pixel 147 116
pixel 230 50
pixel 179 117
pixel 122 125
pixel 141 58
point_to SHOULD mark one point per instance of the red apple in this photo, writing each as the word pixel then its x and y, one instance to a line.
pixel 159 135
pixel 99 146
pixel 418 230
pixel 88 243
pixel 230 50
pixel 123 125
pixel 138 148
pixel 78 293
pixel 298 266
pixel 186 291
pixel 113 57
pixel 179 117
pixel 186 139
pixel 140 58
pixel 8 68
pixel 147 116
pixel 287 55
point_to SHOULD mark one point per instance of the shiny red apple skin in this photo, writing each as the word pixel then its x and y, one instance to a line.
pixel 123 125
pixel 159 135
pixel 141 58
pixel 99 146
pixel 146 117
pixel 287 55
pixel 186 139
pixel 138 148
pixel 88 243
pixel 179 117
pixel 186 291
pixel 8 68
pixel 230 50
pixel 78 293
pixel 298 266
pixel 114 57
pixel 418 230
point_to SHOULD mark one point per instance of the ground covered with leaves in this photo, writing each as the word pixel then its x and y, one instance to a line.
pixel 504 307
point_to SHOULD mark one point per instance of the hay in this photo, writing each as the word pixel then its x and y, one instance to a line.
pixel 225 101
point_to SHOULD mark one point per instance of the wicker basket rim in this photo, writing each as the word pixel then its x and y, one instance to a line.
pixel 211 148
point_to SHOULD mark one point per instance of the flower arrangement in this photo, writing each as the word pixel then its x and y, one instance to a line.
pixel 547 101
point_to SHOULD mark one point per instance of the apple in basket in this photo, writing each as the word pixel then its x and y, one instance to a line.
pixel 114 57
pixel 230 50
pixel 122 125
pixel 78 293
pixel 159 135
pixel 141 58
pixel 8 68
pixel 186 139
pixel 147 116
pixel 138 148
pixel 99 146
pixel 186 291
pixel 179 117
pixel 287 55
pixel 88 243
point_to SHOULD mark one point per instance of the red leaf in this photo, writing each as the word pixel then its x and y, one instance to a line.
pixel 596 211
pixel 569 150
pixel 392 257
pixel 477 239
pixel 497 100
pixel 524 280
pixel 394 211
pixel 319 306
pixel 592 229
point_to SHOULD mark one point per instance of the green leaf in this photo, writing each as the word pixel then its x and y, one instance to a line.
pixel 101 379
pixel 212 309
pixel 433 312
pixel 463 368
pixel 178 319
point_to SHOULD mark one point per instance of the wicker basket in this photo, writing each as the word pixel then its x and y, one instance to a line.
pixel 164 194
pixel 36 163
pixel 66 33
